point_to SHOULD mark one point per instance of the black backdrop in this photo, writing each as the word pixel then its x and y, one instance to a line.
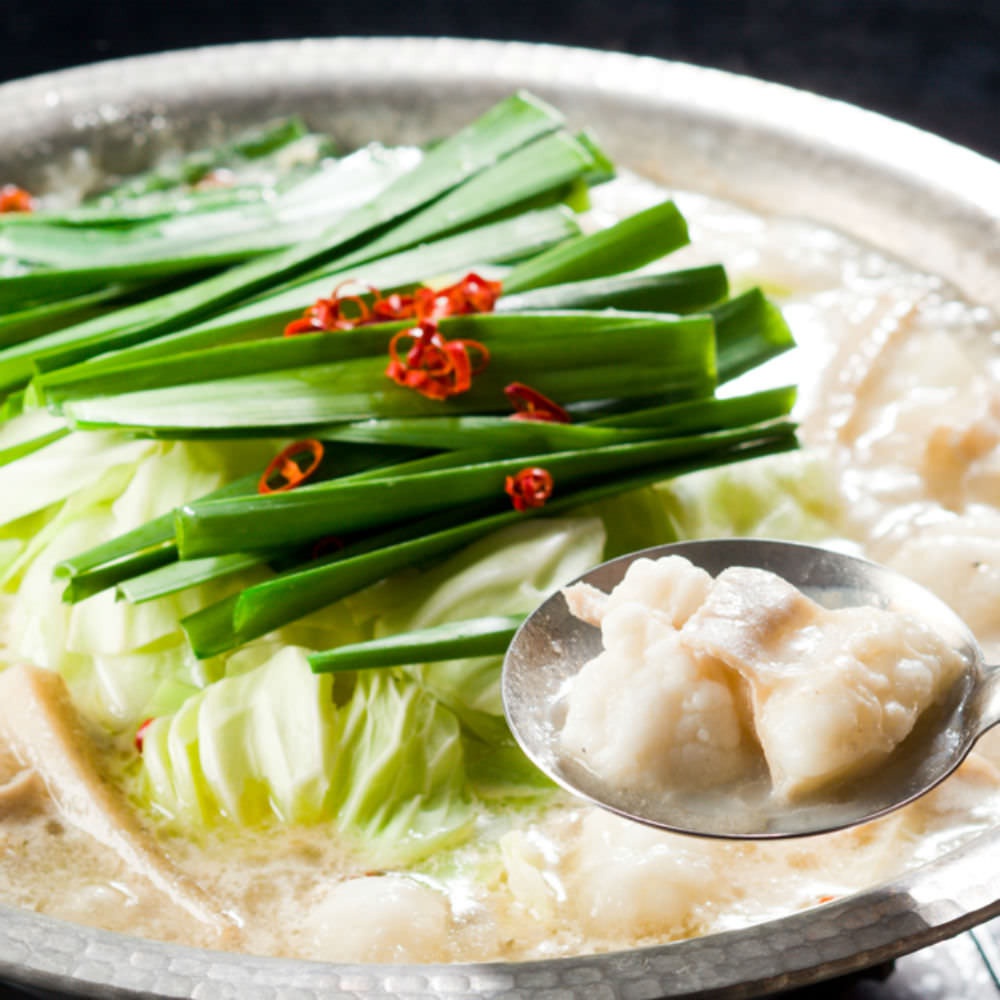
pixel 934 63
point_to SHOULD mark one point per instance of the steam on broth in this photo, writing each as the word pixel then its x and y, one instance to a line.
pixel 899 406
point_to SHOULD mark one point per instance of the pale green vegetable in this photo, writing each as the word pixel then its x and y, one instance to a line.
pixel 130 688
pixel 380 760
pixel 10 549
pixel 633 521
pixel 123 663
pixel 792 496
pixel 246 742
pixel 26 428
pixel 510 572
pixel 62 469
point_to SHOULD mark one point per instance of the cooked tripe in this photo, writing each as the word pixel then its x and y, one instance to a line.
pixel 827 694
pixel 832 692
pixel 646 714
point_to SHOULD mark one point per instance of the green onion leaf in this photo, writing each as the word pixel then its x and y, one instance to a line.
pixel 455 640
pixel 182 574
pixel 749 330
pixel 266 316
pixel 509 125
pixel 264 607
pixel 625 246
pixel 668 292
pixel 494 243
pixel 566 356
pixel 214 527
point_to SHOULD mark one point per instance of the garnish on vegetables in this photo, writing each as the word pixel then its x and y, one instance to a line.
pixel 15 199
pixel 472 294
pixel 291 467
pixel 181 345
pixel 530 404
pixel 331 314
pixel 433 366
pixel 529 488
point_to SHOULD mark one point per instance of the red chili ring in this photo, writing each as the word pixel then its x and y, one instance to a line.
pixel 530 404
pixel 15 199
pixel 529 488
pixel 284 466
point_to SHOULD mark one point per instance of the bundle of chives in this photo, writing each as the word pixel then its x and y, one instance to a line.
pixel 512 124
pixel 214 527
pixel 264 607
pixel 491 244
pixel 636 357
pixel 568 356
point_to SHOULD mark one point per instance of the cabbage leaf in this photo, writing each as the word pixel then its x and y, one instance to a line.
pixel 791 496
pixel 507 573
pixel 123 663
pixel 379 759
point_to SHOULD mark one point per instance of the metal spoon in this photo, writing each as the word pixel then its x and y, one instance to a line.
pixel 552 645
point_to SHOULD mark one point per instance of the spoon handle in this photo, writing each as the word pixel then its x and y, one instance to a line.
pixel 986 701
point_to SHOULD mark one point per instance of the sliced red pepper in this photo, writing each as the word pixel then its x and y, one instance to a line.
pixel 473 294
pixel 330 314
pixel 15 199
pixel 530 404
pixel 477 294
pixel 364 312
pixel 305 324
pixel 291 467
pixel 394 306
pixel 529 488
pixel 140 734
pixel 434 367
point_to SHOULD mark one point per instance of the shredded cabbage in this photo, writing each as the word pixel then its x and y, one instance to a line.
pixel 65 467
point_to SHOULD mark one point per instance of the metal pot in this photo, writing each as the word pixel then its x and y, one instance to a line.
pixel 910 194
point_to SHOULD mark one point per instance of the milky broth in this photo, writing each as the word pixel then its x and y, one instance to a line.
pixel 900 404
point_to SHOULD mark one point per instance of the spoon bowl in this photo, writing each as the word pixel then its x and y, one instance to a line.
pixel 552 645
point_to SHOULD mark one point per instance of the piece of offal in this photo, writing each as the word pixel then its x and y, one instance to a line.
pixel 700 677
pixel 646 714
pixel 833 692
pixel 43 730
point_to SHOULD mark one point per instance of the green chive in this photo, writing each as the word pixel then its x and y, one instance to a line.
pixel 494 243
pixel 214 527
pixel 509 125
pixel 455 640
pixel 264 607
pixel 565 356
pixel 668 292
pixel 625 246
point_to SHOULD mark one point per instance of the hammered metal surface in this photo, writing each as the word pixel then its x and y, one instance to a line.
pixel 916 196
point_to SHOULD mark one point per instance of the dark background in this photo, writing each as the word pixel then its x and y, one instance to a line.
pixel 934 63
